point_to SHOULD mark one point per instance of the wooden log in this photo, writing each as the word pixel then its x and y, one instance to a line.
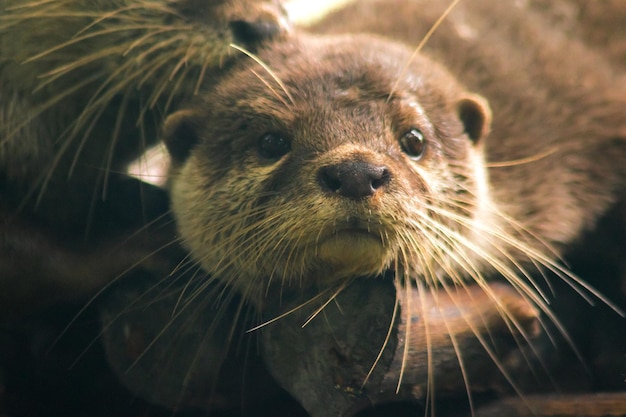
pixel 330 364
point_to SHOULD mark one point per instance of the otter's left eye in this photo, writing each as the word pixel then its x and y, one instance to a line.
pixel 273 146
pixel 413 143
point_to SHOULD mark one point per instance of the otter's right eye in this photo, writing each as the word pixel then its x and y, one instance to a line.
pixel 273 146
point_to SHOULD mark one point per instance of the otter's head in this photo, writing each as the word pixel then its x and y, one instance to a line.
pixel 344 157
pixel 244 22
pixel 87 81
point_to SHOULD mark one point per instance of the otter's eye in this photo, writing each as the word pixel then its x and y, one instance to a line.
pixel 273 146
pixel 413 143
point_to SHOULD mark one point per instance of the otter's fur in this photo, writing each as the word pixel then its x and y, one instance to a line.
pixel 84 83
pixel 83 86
pixel 600 24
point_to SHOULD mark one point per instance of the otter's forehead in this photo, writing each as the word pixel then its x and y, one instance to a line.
pixel 324 91
pixel 330 66
pixel 310 73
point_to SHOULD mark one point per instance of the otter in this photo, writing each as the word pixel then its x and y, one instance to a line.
pixel 359 199
pixel 329 157
pixel 83 87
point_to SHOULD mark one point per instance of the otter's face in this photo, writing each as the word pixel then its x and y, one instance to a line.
pixel 351 167
pixel 73 70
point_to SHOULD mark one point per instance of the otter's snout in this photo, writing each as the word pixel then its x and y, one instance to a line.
pixel 353 179
pixel 251 33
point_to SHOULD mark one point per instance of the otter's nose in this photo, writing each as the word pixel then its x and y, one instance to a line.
pixel 353 179
pixel 250 33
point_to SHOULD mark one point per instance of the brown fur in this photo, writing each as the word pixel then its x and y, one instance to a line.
pixel 83 84
pixel 600 24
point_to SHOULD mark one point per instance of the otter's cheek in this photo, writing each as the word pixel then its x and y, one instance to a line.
pixel 354 253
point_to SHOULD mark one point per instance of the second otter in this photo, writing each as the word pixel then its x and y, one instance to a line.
pixel 83 86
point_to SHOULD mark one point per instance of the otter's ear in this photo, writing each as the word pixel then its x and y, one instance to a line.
pixel 475 113
pixel 180 134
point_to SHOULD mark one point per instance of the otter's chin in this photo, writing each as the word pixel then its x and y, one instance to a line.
pixel 354 253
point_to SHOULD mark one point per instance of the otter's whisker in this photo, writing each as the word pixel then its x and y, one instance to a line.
pixel 390 329
pixel 456 347
pixel 143 39
pixel 430 383
pixel 110 15
pixel 184 60
pixel 332 297
pixel 114 139
pixel 34 4
pixel 575 282
pixel 87 37
pixel 269 86
pixel 285 314
pixel 266 68
pixel 176 89
pixel 203 70
pixel 47 105
pixel 108 285
pixel 419 47
pixel 524 290
pixel 106 326
pixel 58 72
pixel 521 161
pixel 157 93
pixel 167 325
